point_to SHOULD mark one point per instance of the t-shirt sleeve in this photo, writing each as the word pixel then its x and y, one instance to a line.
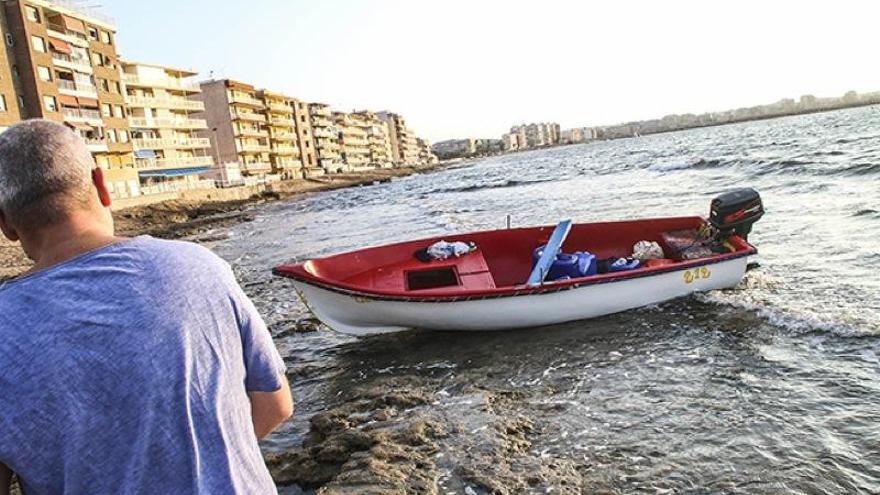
pixel 264 366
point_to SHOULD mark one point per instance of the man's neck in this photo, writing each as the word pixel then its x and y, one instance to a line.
pixel 59 244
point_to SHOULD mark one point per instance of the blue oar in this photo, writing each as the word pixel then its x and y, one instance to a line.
pixel 542 267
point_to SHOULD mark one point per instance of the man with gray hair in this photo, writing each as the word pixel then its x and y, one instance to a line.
pixel 126 365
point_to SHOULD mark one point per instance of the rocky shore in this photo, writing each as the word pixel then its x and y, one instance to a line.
pixel 183 218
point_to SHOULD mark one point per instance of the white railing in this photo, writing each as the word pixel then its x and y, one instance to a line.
pixel 79 113
pixel 178 185
pixel 156 82
pixel 150 101
pixel 64 60
pixel 168 123
pixel 321 111
pixel 78 86
pixel 154 143
pixel 180 162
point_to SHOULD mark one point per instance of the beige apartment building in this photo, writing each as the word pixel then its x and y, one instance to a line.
pixel 426 157
pixel 404 149
pixel 65 68
pixel 236 125
pixel 306 139
pixel 169 153
pixel 378 139
pixel 326 137
pixel 354 143
pixel 284 149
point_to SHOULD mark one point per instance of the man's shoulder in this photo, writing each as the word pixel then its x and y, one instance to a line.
pixel 173 254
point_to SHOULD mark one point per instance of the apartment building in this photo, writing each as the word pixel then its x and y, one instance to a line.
pixel 426 157
pixel 404 149
pixel 65 68
pixel 9 105
pixel 326 137
pixel 354 142
pixel 284 149
pixel 306 139
pixel 236 125
pixel 378 139
pixel 169 153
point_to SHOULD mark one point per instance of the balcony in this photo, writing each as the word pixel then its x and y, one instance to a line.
pixel 285 150
pixel 256 167
pixel 156 82
pixel 142 123
pixel 324 133
pixel 72 37
pixel 252 148
pixel 172 163
pixel 76 88
pixel 166 143
pixel 92 117
pixel 245 99
pixel 283 136
pixel 250 116
pixel 321 111
pixel 170 103
pixel 279 107
pixel 96 145
pixel 68 62
pixel 281 121
pixel 251 131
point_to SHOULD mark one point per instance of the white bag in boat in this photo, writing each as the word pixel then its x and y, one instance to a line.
pixel 442 250
pixel 647 250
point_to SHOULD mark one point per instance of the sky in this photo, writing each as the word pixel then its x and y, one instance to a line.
pixel 473 68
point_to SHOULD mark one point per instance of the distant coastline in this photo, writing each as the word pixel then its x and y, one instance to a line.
pixel 544 136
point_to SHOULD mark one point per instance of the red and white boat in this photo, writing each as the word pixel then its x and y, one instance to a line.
pixel 386 289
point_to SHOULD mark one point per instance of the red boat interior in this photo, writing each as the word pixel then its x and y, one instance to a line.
pixel 502 261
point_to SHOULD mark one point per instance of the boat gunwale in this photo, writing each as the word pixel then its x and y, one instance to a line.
pixel 297 272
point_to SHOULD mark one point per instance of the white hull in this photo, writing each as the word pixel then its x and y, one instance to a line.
pixel 359 315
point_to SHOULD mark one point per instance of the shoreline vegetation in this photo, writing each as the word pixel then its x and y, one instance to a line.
pixel 179 218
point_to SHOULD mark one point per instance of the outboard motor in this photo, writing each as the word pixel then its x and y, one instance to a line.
pixel 735 212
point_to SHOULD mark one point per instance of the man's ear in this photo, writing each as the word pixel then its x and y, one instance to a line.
pixel 7 228
pixel 101 186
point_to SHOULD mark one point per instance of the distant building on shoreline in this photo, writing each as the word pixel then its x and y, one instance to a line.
pixel 528 136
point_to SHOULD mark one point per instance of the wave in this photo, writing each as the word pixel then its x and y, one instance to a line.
pixel 700 164
pixel 499 185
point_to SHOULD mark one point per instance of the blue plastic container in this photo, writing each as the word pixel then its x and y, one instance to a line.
pixel 568 265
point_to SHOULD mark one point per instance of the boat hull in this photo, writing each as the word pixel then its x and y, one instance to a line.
pixel 360 314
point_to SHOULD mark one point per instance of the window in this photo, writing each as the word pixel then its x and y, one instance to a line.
pixel 105 110
pixel 93 33
pixel 105 37
pixel 104 85
pixel 39 44
pixel 44 73
pixel 50 104
pixel 32 13
pixel 123 136
pixel 2 103
pixel 117 88
pixel 97 59
pixel 118 113
pixel 111 135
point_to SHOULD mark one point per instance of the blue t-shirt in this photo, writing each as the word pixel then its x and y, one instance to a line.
pixel 126 370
